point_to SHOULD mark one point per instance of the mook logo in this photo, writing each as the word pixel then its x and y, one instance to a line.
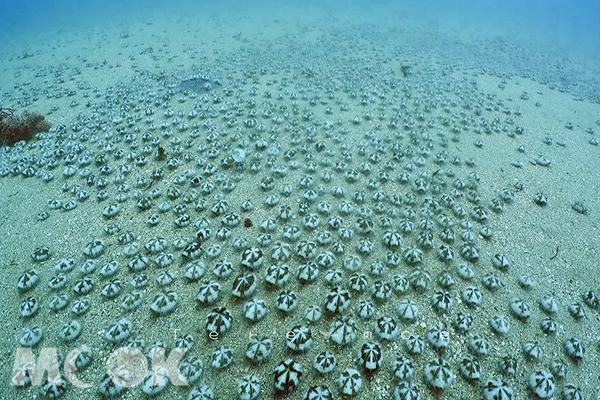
pixel 126 367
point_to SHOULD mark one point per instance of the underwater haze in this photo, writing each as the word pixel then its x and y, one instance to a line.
pixel 306 200
pixel 573 25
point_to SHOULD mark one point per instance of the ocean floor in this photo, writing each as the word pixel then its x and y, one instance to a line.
pixel 401 163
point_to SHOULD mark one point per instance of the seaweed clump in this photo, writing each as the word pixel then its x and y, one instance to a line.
pixel 16 128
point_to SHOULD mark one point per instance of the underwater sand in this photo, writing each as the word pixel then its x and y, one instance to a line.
pixel 528 234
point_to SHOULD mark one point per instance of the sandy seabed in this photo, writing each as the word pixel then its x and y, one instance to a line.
pixel 443 105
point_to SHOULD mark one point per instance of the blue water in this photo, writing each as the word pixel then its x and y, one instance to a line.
pixel 571 24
